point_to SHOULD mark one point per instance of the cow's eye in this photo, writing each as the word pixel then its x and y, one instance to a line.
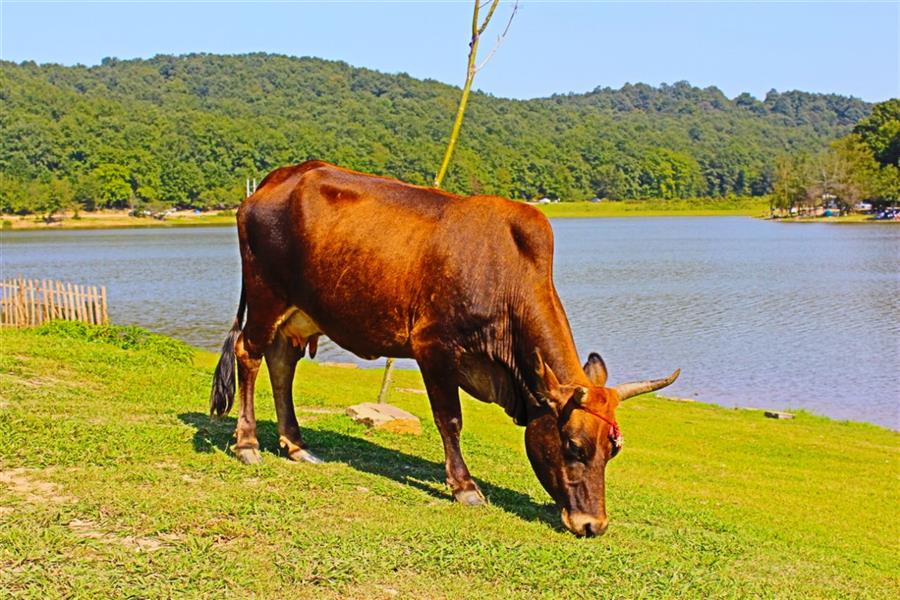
pixel 574 450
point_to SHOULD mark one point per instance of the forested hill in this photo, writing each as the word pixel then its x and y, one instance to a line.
pixel 187 131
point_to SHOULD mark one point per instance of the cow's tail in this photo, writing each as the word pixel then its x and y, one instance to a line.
pixel 221 397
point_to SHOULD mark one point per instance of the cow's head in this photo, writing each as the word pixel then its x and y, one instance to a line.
pixel 570 443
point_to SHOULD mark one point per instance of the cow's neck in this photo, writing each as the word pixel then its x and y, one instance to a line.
pixel 546 328
pixel 558 351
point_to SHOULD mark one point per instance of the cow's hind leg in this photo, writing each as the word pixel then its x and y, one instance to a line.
pixel 251 344
pixel 281 360
pixel 443 394
pixel 246 448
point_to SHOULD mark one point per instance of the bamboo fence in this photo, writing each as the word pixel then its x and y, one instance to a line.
pixel 30 302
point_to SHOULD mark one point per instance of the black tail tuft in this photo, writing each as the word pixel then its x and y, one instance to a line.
pixel 221 397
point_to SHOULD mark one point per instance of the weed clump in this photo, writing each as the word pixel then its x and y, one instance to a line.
pixel 127 337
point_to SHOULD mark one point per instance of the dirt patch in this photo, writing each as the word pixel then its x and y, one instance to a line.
pixel 24 484
pixel 21 359
pixel 33 382
pixel 37 381
pixel 90 530
pixel 319 410
pixel 410 390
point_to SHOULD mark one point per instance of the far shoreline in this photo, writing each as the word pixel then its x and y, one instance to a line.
pixel 120 219
pixel 844 220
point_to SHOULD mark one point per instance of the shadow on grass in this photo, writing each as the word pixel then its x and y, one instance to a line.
pixel 368 457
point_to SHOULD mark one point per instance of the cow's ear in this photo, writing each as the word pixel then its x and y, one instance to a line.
pixel 546 383
pixel 595 369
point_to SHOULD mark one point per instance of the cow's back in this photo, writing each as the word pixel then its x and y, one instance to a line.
pixel 370 259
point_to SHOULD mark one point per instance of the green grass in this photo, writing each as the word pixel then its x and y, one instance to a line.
pixel 693 207
pixel 115 483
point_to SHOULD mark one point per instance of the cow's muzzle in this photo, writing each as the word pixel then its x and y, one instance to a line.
pixel 584 525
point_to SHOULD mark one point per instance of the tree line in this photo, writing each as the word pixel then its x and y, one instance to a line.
pixel 861 166
pixel 185 131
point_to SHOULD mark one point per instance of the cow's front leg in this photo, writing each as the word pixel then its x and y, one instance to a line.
pixel 246 448
pixel 281 360
pixel 443 393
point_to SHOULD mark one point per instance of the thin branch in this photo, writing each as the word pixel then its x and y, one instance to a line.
pixel 487 18
pixel 474 40
pixel 500 39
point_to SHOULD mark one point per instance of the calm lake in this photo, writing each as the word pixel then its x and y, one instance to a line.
pixel 755 313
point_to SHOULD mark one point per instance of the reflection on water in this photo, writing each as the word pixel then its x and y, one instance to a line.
pixel 755 313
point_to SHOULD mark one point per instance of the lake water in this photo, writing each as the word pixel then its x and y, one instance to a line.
pixel 754 313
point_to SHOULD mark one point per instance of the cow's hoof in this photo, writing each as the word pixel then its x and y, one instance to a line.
pixel 470 498
pixel 248 456
pixel 302 455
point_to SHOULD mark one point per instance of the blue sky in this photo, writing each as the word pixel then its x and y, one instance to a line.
pixel 553 47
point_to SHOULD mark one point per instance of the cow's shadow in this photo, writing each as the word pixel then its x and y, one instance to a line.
pixel 363 455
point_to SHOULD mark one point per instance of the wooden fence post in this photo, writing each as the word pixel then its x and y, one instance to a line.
pixel 26 305
pixel 22 302
pixel 92 304
pixel 22 309
pixel 51 310
pixel 79 298
pixel 70 301
pixel 29 305
pixel 33 301
pixel 32 298
pixel 63 294
pixel 88 309
pixel 60 306
pixel 76 299
pixel 48 298
pixel 45 306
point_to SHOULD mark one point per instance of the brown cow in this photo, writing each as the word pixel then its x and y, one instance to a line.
pixel 462 285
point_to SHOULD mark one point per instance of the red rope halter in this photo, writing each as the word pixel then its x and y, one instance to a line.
pixel 615 434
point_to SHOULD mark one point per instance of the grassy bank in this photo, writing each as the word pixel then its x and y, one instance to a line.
pixel 114 482
pixel 695 207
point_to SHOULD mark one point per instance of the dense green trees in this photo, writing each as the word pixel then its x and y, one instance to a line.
pixel 864 165
pixel 881 132
pixel 44 198
pixel 187 131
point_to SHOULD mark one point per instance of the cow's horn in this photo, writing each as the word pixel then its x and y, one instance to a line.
pixel 635 388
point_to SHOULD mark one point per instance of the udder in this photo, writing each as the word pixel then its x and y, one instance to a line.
pixel 301 330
